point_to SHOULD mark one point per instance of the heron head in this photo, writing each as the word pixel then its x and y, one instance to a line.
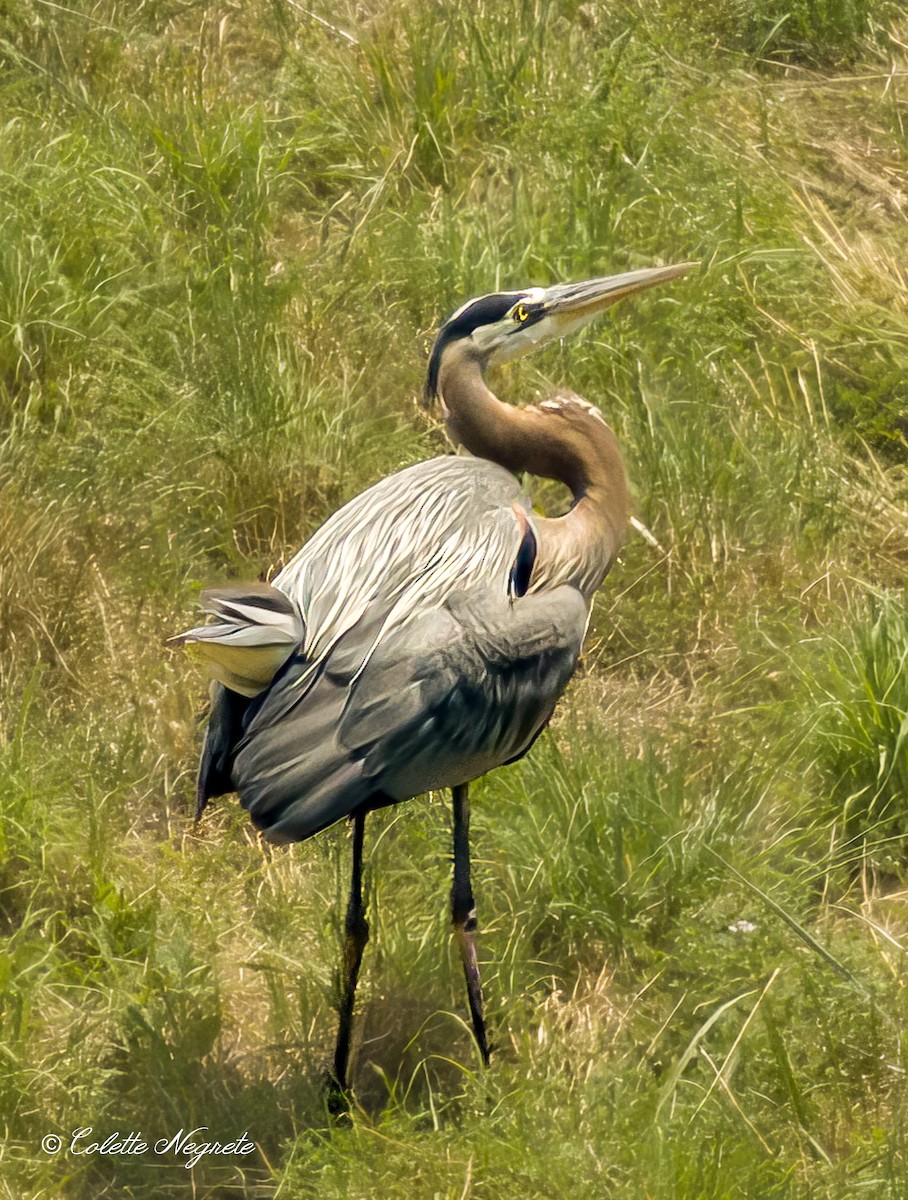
pixel 507 325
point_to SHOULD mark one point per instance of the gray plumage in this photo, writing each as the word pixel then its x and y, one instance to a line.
pixel 418 667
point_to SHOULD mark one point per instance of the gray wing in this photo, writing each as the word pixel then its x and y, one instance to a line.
pixel 443 698
pixel 397 550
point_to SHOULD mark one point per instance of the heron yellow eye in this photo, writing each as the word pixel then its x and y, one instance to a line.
pixel 521 313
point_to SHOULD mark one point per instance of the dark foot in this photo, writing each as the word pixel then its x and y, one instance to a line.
pixel 337 1098
pixel 465 935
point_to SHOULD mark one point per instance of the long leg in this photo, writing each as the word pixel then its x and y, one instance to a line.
pixel 356 935
pixel 463 914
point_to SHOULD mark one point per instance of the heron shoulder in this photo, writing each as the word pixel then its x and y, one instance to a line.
pixel 403 545
pixel 569 406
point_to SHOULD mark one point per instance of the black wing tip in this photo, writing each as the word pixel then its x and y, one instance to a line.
pixel 225 728
pixel 202 799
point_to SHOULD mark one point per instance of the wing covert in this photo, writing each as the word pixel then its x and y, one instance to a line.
pixel 444 698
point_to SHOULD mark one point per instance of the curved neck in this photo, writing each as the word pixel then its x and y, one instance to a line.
pixel 561 440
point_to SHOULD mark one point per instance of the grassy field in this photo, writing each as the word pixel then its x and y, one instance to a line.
pixel 229 231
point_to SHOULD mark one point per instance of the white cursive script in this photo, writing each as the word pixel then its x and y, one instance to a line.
pixel 182 1145
pixel 191 1146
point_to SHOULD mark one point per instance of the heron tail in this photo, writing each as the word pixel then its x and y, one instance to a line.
pixel 256 629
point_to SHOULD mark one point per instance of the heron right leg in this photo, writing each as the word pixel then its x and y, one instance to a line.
pixel 356 931
pixel 463 915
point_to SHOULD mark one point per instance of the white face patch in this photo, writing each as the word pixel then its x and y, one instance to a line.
pixel 515 341
pixel 506 341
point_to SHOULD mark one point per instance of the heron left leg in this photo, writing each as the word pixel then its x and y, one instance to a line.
pixel 356 930
pixel 463 914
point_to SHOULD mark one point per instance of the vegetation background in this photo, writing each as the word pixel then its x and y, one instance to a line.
pixel 229 230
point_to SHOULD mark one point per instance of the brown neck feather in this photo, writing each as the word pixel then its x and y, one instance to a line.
pixel 560 440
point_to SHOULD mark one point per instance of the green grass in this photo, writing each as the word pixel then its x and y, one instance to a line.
pixel 229 232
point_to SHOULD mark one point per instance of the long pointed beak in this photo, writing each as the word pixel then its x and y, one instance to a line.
pixel 573 304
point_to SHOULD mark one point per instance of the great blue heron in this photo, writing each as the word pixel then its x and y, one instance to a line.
pixel 425 632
